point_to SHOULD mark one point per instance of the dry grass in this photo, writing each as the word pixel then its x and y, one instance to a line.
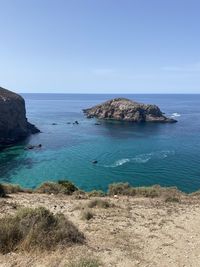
pixel 87 215
pixel 195 194
pixel 151 191
pixel 98 203
pixel 134 231
pixel 172 195
pixel 79 194
pixel 12 188
pixel 61 187
pixel 36 229
pixel 85 262
pixel 96 193
pixel 168 193
pixel 121 189
pixel 172 199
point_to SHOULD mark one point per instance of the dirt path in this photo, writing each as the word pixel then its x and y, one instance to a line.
pixel 134 232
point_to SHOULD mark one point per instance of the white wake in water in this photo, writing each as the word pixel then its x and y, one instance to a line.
pixel 120 162
pixel 174 115
pixel 142 158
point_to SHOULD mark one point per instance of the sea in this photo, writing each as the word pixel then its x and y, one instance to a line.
pixel 140 154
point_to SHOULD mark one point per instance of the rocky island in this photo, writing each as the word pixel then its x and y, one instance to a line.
pixel 14 125
pixel 123 109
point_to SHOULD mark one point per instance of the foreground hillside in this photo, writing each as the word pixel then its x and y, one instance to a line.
pixel 119 230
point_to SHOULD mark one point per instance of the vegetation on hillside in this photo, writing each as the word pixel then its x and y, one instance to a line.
pixel 36 229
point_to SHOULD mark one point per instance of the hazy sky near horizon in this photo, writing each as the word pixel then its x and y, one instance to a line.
pixel 100 46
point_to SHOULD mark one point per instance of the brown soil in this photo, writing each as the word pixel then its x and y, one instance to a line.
pixel 132 232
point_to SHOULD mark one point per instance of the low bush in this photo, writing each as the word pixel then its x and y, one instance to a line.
pixel 145 191
pixel 172 195
pixel 50 188
pixel 99 203
pixel 195 194
pixel 85 262
pixel 36 229
pixel 87 215
pixel 96 193
pixel 79 194
pixel 61 187
pixel 68 186
pixel 121 189
pixel 12 188
pixel 172 199
pixel 148 191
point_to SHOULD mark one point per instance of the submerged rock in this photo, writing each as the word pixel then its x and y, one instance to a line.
pixel 14 125
pixel 29 147
pixel 123 109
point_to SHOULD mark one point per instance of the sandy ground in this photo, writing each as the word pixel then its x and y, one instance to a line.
pixel 134 232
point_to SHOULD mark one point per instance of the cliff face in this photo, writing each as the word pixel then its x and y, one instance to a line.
pixel 13 122
pixel 127 110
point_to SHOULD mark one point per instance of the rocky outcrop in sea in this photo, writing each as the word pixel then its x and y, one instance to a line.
pixel 14 125
pixel 123 109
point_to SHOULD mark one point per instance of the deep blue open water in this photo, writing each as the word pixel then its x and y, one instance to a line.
pixel 141 154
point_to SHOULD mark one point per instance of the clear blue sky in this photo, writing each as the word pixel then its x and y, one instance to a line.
pixel 100 46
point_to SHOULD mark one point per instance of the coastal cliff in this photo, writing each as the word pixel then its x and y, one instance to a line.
pixel 14 125
pixel 123 109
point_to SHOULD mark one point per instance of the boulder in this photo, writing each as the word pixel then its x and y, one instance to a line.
pixel 14 125
pixel 123 109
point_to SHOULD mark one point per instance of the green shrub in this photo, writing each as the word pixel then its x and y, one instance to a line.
pixel 127 190
pixel 85 263
pixel 49 188
pixel 36 229
pixel 99 203
pixel 68 186
pixel 96 193
pixel 148 191
pixel 12 188
pixel 172 199
pixel 172 195
pixel 87 215
pixel 79 194
pixel 121 189
pixel 61 187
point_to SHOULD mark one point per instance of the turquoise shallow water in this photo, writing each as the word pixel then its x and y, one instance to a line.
pixel 141 154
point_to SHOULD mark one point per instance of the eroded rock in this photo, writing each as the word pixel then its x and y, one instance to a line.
pixel 14 125
pixel 123 109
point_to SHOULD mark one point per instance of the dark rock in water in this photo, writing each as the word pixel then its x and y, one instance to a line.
pixel 94 161
pixel 54 123
pixel 68 122
pixel 123 109
pixel 29 147
pixel 97 123
pixel 76 122
pixel 13 122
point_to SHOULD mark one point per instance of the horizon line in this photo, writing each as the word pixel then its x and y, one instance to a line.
pixel 109 93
